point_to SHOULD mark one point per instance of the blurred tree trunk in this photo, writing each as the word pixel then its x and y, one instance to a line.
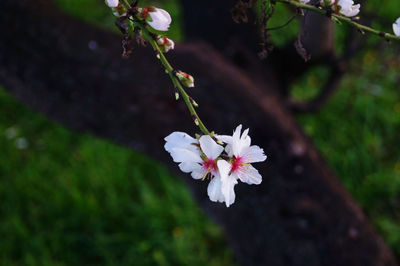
pixel 74 74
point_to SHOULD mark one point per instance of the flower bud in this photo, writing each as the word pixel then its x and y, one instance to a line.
pixel 165 44
pixel 119 11
pixel 193 102
pixel 157 18
pixel 327 3
pixel 112 3
pixel 186 79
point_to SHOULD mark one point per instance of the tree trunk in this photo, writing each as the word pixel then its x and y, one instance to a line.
pixel 299 215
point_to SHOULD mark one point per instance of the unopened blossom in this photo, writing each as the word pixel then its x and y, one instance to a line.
pixel 112 3
pixel 241 154
pixel 327 3
pixel 165 44
pixel 157 18
pixel 186 79
pixel 119 11
pixel 396 27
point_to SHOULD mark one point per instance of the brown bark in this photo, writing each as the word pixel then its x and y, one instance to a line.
pixel 299 215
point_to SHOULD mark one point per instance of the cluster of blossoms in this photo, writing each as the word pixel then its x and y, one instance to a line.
pixel 222 159
pixel 349 9
pixel 225 164
pixel 159 20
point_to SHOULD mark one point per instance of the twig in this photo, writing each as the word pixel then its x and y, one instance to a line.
pixel 283 25
pixel 360 27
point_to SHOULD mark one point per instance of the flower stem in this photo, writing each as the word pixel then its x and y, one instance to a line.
pixel 341 18
pixel 126 3
pixel 168 69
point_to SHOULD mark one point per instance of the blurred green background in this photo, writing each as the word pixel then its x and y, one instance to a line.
pixel 68 198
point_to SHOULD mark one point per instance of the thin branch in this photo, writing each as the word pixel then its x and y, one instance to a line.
pixel 169 69
pixel 341 18
pixel 146 34
pixel 284 25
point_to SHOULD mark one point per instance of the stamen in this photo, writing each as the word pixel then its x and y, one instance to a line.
pixel 237 163
pixel 210 165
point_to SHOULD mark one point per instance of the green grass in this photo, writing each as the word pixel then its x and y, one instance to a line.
pixel 68 199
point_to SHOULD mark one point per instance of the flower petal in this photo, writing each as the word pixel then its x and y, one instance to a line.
pixel 188 167
pixel 253 154
pixel 199 173
pixel 228 182
pixel 183 141
pixel 112 3
pixel 178 139
pixel 348 8
pixel 236 140
pixel 180 155
pixel 396 27
pixel 160 19
pixel 214 190
pixel 229 150
pixel 240 142
pixel 228 140
pixel 210 148
pixel 224 138
pixel 248 174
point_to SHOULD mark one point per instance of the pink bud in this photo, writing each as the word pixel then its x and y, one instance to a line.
pixel 186 79
pixel 165 43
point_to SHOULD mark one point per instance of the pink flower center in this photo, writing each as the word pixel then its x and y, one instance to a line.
pixel 210 165
pixel 237 163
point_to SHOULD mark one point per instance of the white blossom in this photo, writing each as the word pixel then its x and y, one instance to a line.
pixel 348 8
pixel 198 157
pixel 112 3
pixel 396 27
pixel 304 1
pixel 242 154
pixel 157 18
